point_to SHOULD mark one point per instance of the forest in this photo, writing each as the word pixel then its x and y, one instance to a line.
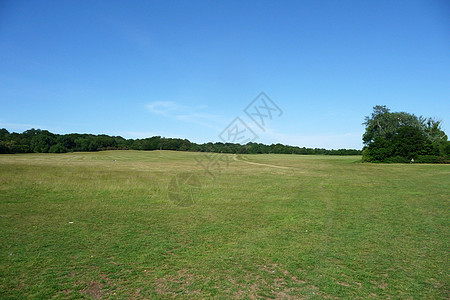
pixel 43 141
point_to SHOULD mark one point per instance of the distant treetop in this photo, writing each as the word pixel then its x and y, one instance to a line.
pixel 43 141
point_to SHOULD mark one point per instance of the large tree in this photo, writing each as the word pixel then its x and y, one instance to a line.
pixel 384 123
pixel 400 136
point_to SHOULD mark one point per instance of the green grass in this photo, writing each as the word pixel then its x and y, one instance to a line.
pixel 101 225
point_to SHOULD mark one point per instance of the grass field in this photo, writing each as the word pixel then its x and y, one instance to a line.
pixel 103 225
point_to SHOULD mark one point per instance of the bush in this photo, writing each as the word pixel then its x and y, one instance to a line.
pixel 432 159
pixel 397 159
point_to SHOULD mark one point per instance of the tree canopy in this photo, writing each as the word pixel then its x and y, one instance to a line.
pixel 43 141
pixel 400 137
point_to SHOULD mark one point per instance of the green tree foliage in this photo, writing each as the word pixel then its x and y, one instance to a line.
pixel 36 140
pixel 400 137
pixel 384 123
pixel 42 141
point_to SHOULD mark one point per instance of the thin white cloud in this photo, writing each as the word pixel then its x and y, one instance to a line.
pixel 186 113
pixel 164 107
pixel 195 115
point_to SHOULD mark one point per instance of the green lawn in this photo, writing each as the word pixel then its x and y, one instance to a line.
pixel 102 225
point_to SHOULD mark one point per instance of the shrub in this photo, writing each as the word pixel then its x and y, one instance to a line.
pixel 397 159
pixel 432 159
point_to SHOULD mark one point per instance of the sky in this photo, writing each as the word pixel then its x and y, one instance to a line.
pixel 188 69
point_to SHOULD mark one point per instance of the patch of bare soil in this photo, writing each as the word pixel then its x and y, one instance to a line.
pixel 94 290
pixel 182 281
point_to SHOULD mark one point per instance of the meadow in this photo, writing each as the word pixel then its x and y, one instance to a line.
pixel 157 224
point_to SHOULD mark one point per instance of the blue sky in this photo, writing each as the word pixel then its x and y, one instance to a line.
pixel 188 68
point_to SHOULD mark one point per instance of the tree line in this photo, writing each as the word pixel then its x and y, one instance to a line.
pixel 43 141
pixel 400 137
